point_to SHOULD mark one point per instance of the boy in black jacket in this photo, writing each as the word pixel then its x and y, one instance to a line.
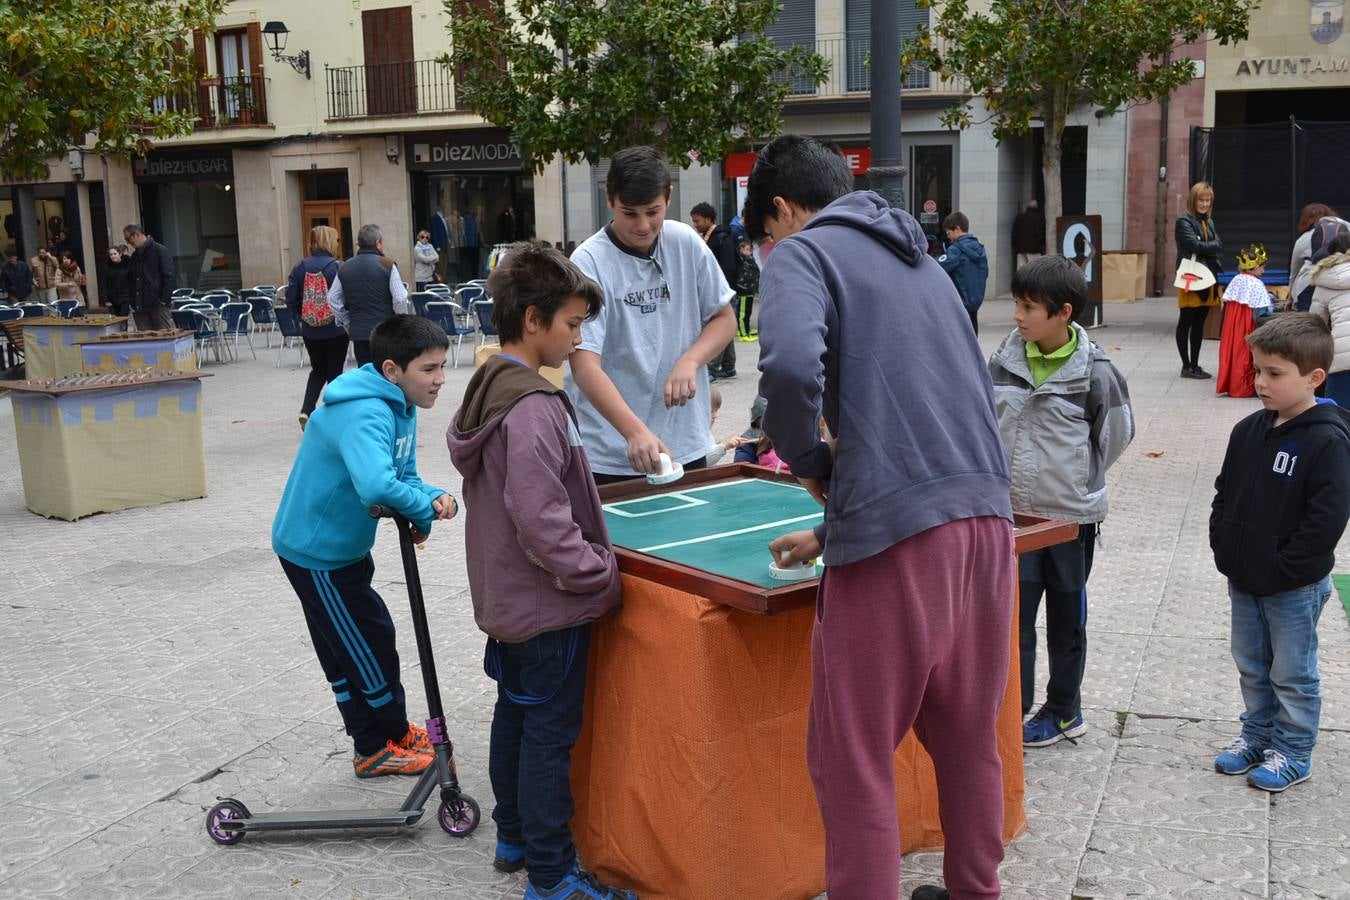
pixel 1280 505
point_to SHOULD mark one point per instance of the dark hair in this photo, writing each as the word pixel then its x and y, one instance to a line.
pixel 803 170
pixel 1339 244
pixel 1302 338
pixel 534 274
pixel 1311 213
pixel 956 220
pixel 403 338
pixel 68 254
pixel 133 229
pixel 1051 281
pixel 705 210
pixel 637 175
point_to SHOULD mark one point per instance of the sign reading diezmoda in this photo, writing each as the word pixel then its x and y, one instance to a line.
pixel 468 150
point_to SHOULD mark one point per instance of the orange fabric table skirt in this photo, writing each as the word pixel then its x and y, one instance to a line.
pixel 690 775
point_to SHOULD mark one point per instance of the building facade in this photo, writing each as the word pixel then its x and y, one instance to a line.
pixel 1265 122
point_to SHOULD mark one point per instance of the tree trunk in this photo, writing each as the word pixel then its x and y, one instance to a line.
pixel 1051 168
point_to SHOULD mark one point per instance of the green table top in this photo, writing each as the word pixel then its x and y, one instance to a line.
pixel 723 528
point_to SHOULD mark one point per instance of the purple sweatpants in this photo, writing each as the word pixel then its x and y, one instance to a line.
pixel 916 636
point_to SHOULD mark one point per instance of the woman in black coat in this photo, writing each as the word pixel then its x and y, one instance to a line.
pixel 326 344
pixel 120 282
pixel 1196 236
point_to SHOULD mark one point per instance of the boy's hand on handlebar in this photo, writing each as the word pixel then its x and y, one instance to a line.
pixel 445 506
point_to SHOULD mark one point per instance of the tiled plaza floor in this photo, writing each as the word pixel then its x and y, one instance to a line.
pixel 155 659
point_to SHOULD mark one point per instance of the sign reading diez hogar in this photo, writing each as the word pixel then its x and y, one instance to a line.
pixel 185 165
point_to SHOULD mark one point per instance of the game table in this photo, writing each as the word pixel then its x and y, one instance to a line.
pixel 690 775
pixel 171 349
pixel 92 443
pixel 51 346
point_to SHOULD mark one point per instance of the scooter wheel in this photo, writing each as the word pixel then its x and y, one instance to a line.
pixel 222 811
pixel 458 817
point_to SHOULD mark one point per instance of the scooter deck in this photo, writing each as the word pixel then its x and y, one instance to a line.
pixel 329 818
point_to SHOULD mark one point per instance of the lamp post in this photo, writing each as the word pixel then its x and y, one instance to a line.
pixel 887 172
pixel 276 33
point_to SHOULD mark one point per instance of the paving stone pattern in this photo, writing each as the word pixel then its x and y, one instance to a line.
pixel 155 660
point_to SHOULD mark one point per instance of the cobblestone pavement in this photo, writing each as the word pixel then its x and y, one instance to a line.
pixel 155 660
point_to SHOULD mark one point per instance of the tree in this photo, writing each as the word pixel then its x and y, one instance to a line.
pixel 586 78
pixel 75 73
pixel 1041 59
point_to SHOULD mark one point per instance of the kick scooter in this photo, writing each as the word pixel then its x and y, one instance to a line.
pixel 229 820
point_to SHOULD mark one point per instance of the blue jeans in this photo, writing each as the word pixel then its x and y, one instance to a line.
pixel 1275 648
pixel 541 687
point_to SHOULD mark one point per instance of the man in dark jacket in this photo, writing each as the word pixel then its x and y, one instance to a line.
pixel 1028 234
pixel 155 280
pixel 913 619
pixel 16 279
pixel 722 243
pixel 366 291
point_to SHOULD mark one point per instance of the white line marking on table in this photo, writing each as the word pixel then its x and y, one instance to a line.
pixel 714 537
pixel 689 503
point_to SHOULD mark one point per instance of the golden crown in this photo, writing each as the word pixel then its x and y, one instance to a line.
pixel 1253 256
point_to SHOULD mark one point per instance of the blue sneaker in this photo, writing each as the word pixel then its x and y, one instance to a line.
pixel 1239 757
pixel 1279 772
pixel 510 856
pixel 578 884
pixel 1046 728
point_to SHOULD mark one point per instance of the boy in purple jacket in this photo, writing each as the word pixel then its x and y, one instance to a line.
pixel 541 567
pixel 915 608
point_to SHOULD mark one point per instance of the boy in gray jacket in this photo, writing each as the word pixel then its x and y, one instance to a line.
pixel 541 567
pixel 1064 412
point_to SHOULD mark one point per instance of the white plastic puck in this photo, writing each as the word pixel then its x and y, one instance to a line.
pixel 670 472
pixel 794 571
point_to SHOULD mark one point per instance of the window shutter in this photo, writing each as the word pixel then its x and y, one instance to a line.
pixel 796 24
pixel 858 24
pixel 257 84
pixel 203 70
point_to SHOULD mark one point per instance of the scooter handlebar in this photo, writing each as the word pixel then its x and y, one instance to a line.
pixel 379 511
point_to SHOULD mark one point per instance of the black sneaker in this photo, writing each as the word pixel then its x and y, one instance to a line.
pixel 929 892
pixel 1188 372
pixel 727 373
pixel 1197 372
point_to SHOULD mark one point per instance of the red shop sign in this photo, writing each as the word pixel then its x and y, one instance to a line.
pixel 738 165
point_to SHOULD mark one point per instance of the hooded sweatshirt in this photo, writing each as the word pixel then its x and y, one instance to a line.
pixel 539 555
pixel 1281 500
pixel 860 323
pixel 1331 300
pixel 359 449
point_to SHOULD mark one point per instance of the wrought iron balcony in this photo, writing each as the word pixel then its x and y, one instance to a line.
pixel 238 101
pixel 850 73
pixel 390 89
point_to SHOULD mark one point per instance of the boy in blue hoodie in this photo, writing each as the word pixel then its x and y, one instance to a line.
pixel 359 449
pixel 541 568
pixel 967 264
pixel 915 609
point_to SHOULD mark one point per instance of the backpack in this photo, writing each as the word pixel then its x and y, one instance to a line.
pixel 314 308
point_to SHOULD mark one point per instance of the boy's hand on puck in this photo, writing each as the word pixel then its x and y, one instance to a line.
pixel 795 547
pixel 644 451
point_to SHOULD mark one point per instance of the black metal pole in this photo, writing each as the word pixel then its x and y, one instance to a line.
pixel 887 172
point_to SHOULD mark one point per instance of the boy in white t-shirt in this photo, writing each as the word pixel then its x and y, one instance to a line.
pixel 639 380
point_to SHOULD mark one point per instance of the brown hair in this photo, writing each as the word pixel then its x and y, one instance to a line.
pixel 715 398
pixel 1302 338
pixel 325 237
pixel 1311 213
pixel 1200 187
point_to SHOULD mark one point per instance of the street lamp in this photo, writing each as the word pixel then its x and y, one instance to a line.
pixel 276 33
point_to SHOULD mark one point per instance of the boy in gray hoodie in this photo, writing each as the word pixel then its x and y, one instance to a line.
pixel 541 567
pixel 915 609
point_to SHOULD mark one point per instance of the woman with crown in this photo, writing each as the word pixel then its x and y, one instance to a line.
pixel 1245 302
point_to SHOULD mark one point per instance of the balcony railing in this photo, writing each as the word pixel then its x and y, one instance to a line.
pixel 390 89
pixel 220 102
pixel 850 72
